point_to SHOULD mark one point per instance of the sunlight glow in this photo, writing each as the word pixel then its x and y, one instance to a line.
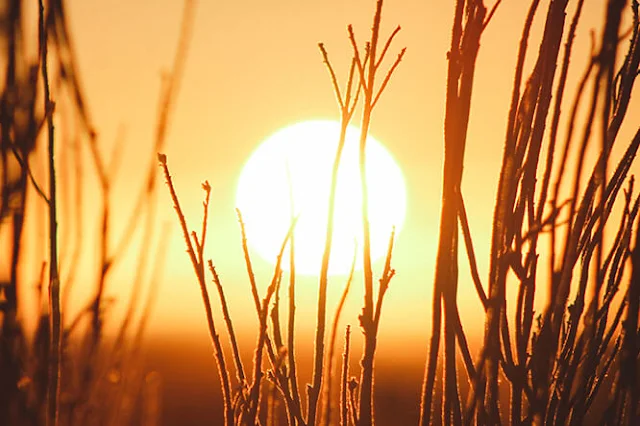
pixel 305 152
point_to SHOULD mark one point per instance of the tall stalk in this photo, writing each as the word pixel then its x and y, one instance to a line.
pixel 370 314
pixel 347 104
pixel 465 42
pixel 53 384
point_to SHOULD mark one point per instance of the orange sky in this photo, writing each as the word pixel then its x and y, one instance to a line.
pixel 254 67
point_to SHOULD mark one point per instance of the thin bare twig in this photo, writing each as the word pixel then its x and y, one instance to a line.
pixel 227 319
pixel 332 342
pixel 55 349
pixel 199 270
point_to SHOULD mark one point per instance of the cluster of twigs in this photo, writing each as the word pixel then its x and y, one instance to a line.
pixel 243 405
pixel 565 234
pixel 68 373
pixel 555 363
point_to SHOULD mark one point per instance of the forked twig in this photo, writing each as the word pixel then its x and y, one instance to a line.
pixel 199 270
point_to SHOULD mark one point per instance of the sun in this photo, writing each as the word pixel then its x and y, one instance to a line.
pixel 290 172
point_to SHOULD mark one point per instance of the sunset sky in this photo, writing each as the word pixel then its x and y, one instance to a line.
pixel 254 67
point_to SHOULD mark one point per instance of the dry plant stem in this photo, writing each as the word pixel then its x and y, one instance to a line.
pixel 227 319
pixel 630 348
pixel 147 197
pixel 171 88
pixel 96 309
pixel 78 220
pixel 12 187
pixel 555 279
pixel 65 243
pixel 56 22
pixel 53 383
pixel 557 109
pixel 432 360
pixel 346 111
pixel 108 258
pixel 247 258
pixel 591 338
pixel 271 405
pixel 462 56
pixel 387 275
pixel 44 383
pixel 365 406
pixel 582 221
pixel 104 267
pixel 344 405
pixel 293 403
pixel 490 14
pixel 367 72
pixel 280 379
pixel 511 160
pixel 464 348
pixel 254 391
pixel 604 80
pixel 528 133
pixel 143 259
pixel 550 163
pixel 629 389
pixel 353 405
pixel 627 75
pixel 291 354
pixel 580 210
pixel 293 375
pixel 199 270
pixel 275 317
pixel 332 342
pixel 123 412
pixel 252 281
pixel 24 164
pixel 468 242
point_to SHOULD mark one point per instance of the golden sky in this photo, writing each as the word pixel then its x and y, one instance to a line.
pixel 254 67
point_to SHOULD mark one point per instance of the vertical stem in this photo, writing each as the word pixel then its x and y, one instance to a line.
pixel 194 254
pixel 432 360
pixel 53 384
pixel 314 390
pixel 462 57
pixel 344 405
pixel 11 364
pixel 630 346
pixel 332 341
pixel 293 375
pixel 365 417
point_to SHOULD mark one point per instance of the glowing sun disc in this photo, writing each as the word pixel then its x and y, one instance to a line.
pixel 295 163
